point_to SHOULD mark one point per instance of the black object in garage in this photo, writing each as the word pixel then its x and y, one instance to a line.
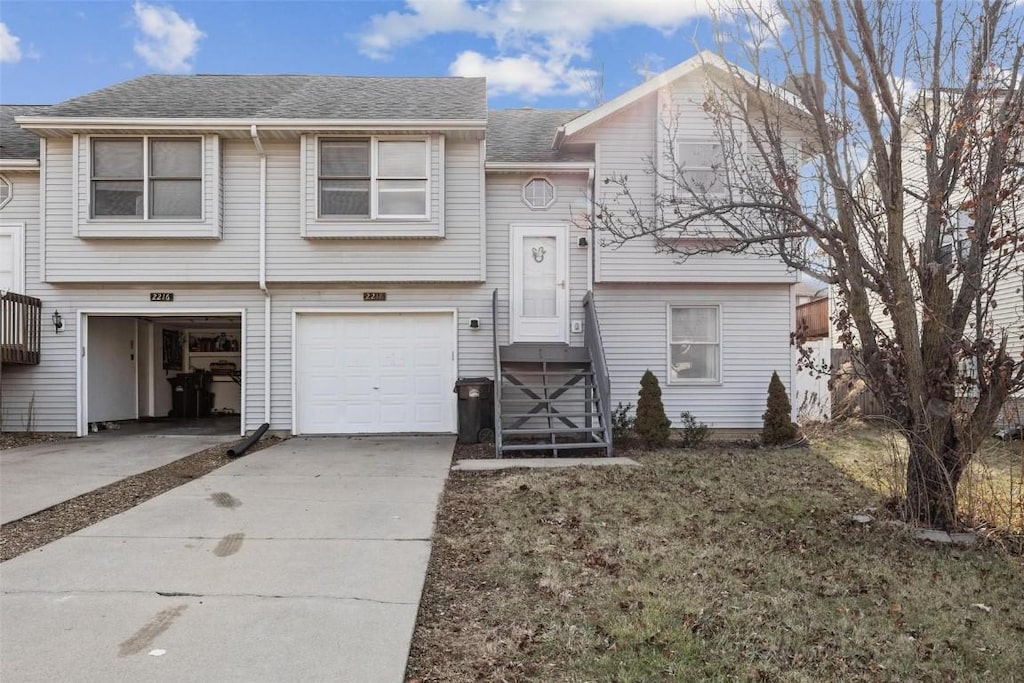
pixel 191 395
pixel 476 407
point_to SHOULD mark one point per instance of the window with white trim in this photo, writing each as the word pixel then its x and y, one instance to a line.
pixel 6 191
pixel 701 166
pixel 956 238
pixel 538 193
pixel 371 178
pixel 695 347
pixel 147 178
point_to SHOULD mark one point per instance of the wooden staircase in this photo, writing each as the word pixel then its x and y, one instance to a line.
pixel 551 398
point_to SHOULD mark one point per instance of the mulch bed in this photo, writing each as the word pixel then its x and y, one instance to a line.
pixel 19 439
pixel 51 524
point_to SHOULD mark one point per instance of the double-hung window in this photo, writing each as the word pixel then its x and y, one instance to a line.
pixel 371 178
pixel 701 165
pixel 695 349
pixel 147 178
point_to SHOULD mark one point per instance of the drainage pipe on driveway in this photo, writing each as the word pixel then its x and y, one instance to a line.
pixel 245 444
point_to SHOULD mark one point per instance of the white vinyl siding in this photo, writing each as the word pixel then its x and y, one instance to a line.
pixel 626 141
pixel 45 394
pixel 160 257
pixel 456 258
pixel 144 187
pixel 755 327
pixel 505 208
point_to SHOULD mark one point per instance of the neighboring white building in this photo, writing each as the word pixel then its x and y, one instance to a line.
pixel 339 240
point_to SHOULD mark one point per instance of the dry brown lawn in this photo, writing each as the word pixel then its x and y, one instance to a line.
pixel 723 563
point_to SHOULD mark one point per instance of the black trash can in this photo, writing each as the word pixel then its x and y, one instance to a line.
pixel 476 407
pixel 183 396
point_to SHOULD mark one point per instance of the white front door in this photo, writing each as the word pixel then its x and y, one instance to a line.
pixel 539 286
pixel 11 259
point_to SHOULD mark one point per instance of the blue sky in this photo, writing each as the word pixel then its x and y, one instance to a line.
pixel 534 52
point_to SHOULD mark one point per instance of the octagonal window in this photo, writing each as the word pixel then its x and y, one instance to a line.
pixel 6 191
pixel 539 193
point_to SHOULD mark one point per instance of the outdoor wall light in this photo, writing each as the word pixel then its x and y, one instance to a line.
pixel 474 324
pixel 58 322
pixel 582 242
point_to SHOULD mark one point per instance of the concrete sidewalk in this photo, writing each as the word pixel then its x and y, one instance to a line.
pixel 301 562
pixel 40 476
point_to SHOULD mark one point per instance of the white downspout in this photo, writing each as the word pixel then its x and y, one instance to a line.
pixel 263 272
pixel 592 245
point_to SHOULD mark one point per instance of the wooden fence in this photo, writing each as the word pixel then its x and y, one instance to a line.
pixel 850 396
pixel 812 319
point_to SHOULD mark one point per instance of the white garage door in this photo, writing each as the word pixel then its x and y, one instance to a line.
pixel 365 373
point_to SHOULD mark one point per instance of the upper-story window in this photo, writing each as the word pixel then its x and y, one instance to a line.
pixel 538 193
pixel 158 178
pixel 371 178
pixel 701 166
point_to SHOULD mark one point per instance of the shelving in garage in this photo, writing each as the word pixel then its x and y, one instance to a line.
pixel 205 352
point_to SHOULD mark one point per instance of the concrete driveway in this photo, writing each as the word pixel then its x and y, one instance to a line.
pixel 40 476
pixel 302 562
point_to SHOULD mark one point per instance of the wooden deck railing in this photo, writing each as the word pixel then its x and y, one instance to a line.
pixel 20 327
pixel 812 319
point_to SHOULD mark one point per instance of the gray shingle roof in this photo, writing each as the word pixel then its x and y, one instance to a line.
pixel 16 143
pixel 525 135
pixel 284 97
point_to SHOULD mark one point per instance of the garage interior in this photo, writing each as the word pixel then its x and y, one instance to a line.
pixel 168 374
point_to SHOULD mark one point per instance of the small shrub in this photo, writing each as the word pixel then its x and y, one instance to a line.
pixel 693 433
pixel 622 421
pixel 652 425
pixel 779 427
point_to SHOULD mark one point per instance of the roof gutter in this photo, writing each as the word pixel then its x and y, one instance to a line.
pixel 87 123
pixel 551 166
pixel 254 132
pixel 19 164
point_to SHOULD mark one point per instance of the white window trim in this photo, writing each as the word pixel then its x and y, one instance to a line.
pixel 374 213
pixel 668 344
pixel 17 233
pixel 147 179
pixel 10 195
pixel 554 193
pixel 84 225
pixel 677 154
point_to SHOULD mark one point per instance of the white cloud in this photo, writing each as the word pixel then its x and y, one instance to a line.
pixel 537 44
pixel 167 41
pixel 9 50
pixel 524 74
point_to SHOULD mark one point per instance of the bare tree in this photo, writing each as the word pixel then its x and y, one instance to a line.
pixel 890 166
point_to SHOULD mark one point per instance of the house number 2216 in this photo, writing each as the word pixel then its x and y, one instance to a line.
pixel 161 296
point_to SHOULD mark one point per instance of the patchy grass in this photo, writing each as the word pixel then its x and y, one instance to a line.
pixel 716 564
pixel 991 494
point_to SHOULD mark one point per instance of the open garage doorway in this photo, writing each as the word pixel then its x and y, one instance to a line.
pixel 179 373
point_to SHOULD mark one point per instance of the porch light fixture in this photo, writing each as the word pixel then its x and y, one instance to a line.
pixel 58 322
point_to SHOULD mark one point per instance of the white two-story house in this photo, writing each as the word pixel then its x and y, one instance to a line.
pixel 337 251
